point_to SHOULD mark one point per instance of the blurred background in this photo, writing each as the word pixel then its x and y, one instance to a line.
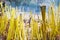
pixel 33 5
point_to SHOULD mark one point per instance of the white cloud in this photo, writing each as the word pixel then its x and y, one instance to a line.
pixel 33 2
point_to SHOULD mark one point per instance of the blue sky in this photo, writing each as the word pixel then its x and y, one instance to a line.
pixel 33 5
